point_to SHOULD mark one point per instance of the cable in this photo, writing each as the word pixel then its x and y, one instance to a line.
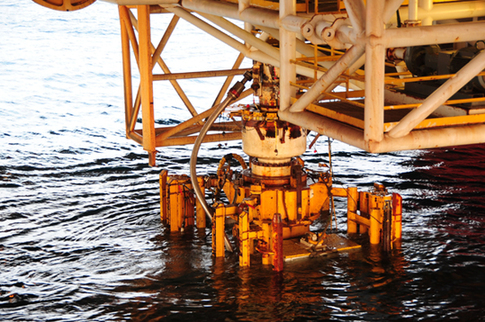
pixel 233 93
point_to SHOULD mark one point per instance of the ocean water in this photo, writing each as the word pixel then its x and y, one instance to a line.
pixel 80 233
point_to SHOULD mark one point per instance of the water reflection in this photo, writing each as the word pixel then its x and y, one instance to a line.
pixel 341 286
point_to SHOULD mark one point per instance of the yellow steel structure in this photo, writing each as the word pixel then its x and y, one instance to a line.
pixel 354 27
pixel 303 53
pixel 255 207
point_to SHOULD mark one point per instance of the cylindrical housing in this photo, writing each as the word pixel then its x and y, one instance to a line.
pixel 272 144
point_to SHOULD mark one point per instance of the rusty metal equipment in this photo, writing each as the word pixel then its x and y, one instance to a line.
pixel 303 51
pixel 270 200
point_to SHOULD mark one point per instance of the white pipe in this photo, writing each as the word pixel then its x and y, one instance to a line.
pixel 293 23
pixel 225 9
pixel 244 35
pixel 390 9
pixel 413 10
pixel 374 66
pixel 347 35
pixel 256 55
pixel 426 4
pixel 422 139
pixel 243 5
pixel 348 59
pixel 255 16
pixel 437 34
pixel 325 126
pixel 287 53
pixel 431 138
pixel 356 11
pixel 446 11
pixel 438 97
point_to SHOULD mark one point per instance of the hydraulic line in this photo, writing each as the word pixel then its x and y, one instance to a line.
pixel 233 93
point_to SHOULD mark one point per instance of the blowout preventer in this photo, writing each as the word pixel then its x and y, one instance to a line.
pixel 274 199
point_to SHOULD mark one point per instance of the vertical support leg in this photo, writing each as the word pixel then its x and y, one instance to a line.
pixel 175 207
pixel 189 200
pixel 244 240
pixel 277 243
pixel 365 206
pixel 374 67
pixel 200 213
pixel 163 196
pixel 218 227
pixel 127 85
pixel 146 81
pixel 375 225
pixel 352 197
pixel 287 53
pixel 267 236
pixel 396 216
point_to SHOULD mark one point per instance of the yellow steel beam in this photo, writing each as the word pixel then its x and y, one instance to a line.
pixel 166 70
pixel 165 38
pixel 127 84
pixel 136 110
pixel 125 16
pixel 146 81
pixel 209 73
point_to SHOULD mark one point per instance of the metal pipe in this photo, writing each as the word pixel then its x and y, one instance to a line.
pixel 446 11
pixel 431 138
pixel 209 73
pixel 146 83
pixel 413 10
pixel 127 83
pixel 390 9
pixel 374 65
pixel 426 4
pixel 243 34
pixel 232 95
pixel 325 126
pixel 308 50
pixel 356 11
pixel 423 139
pixel 287 54
pixel 254 16
pixel 348 59
pixel 256 55
pixel 243 5
pixel 438 97
pixel 436 34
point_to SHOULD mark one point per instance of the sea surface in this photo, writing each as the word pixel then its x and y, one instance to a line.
pixel 80 232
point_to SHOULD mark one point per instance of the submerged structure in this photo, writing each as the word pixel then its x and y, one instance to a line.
pixel 412 73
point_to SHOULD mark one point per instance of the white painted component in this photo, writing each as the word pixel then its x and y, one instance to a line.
pixel 271 150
